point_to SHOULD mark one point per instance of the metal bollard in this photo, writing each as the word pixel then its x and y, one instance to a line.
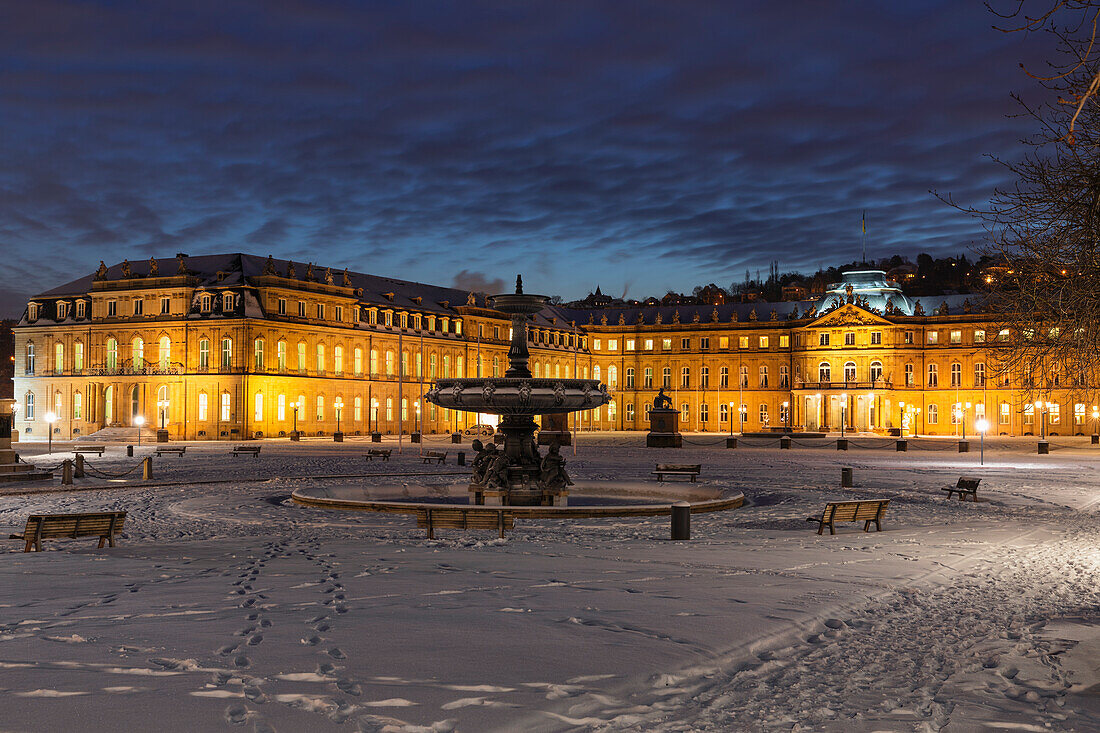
pixel 785 443
pixel 462 458
pixel 681 521
pixel 414 438
pixel 731 442
pixel 67 472
pixel 78 468
pixel 338 437
pixel 846 478
pixel 456 437
pixel 842 444
pixel 1096 439
pixel 147 467
pixel 376 437
pixel 1044 448
pixel 964 446
pixel 129 451
pixel 902 446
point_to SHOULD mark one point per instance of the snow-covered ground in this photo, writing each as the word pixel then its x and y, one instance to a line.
pixel 226 607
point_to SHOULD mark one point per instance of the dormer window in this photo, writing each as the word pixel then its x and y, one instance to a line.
pixel 32 311
pixel 404 320
pixel 62 309
pixel 355 315
pixel 387 317
pixel 205 303
pixel 81 308
pixel 372 317
pixel 227 302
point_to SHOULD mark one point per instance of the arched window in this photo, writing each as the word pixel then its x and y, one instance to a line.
pixel 29 365
pixel 258 354
pixel 320 408
pixel 357 361
pixel 595 372
pixel 280 407
pixel 849 371
pixel 763 375
pixel 629 377
pixel 226 407
pixel 956 374
pixel 204 407
pixel 204 354
pixel 538 370
pixel 704 376
pixel 824 372
pixel 28 406
pixel 784 376
pixel 164 353
pixel 162 406
pixel 78 406
pixel 763 414
pixel 743 375
pixel 137 349
pixel 612 377
pixel 666 376
pixel 320 358
pixel 389 363
pixel 979 374
pixel 227 302
pixel 933 375
pixel 301 357
pixel 227 353
pixel 685 377
pixel 373 361
pixel 280 355
pixel 647 377
pixel 876 371
pixel 933 415
pixel 338 359
pixel 205 302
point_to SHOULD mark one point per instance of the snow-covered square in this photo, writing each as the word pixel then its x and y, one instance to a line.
pixel 226 606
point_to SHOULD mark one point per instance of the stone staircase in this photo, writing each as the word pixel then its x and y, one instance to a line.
pixel 12 471
pixel 119 435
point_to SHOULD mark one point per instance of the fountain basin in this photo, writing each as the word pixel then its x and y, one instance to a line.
pixel 518 395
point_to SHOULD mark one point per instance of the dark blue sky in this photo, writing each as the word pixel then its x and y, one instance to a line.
pixel 638 145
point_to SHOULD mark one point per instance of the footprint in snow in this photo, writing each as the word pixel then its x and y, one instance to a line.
pixel 236 714
pixel 254 640
pixel 336 653
pixel 242 661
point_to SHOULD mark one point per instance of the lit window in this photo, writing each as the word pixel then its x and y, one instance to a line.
pixel 956 337
pixel 784 342
pixel 226 411
pixel 227 353
pixel 979 336
pixel 666 344
pixel 933 337
pixel 612 344
pixel 204 353
pixel 630 344
pixel 763 342
pixel 723 342
pixel 597 344
pixel 204 407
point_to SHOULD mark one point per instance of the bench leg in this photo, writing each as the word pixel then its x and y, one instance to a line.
pixel 832 528
pixel 821 526
pixel 878 525
pixel 102 541
pixel 867 525
pixel 38 545
pixel 30 544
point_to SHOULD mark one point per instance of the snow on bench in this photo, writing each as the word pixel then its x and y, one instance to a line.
pixel 690 470
pixel 52 526
pixel 867 511
pixel 963 487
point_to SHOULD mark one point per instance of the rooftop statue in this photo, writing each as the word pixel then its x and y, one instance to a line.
pixel 126 273
pixel 181 265
pixel 269 266
pixel 328 276
pixel 154 268
pixel 471 299
pixel 347 279
pixel 290 271
pixel 101 272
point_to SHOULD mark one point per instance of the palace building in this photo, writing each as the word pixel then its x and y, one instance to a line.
pixel 237 346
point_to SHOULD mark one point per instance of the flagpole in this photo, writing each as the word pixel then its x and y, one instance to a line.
pixel 400 379
pixel 864 236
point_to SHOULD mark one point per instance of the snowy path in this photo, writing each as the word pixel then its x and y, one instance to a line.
pixel 231 609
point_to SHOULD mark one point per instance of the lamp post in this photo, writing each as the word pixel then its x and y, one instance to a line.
pixel 162 412
pixel 339 406
pixel 843 412
pixel 731 419
pixel 981 425
pixel 139 420
pixel 50 419
pixel 1095 424
pixel 1042 421
pixel 787 416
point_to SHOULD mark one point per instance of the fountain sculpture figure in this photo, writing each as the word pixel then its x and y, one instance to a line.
pixel 518 475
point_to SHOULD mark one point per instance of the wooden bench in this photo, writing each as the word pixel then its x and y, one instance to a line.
pixel 439 457
pixel 179 450
pixel 690 470
pixel 40 527
pixel 246 449
pixel 97 449
pixel 499 519
pixel 963 487
pixel 383 453
pixel 868 511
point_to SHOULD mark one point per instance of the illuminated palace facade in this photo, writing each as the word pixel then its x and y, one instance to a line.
pixel 237 346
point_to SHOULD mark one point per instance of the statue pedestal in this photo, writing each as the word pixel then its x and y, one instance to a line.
pixel 10 468
pixel 664 429
pixel 555 429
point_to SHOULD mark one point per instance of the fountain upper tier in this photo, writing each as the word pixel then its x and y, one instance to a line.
pixel 517 392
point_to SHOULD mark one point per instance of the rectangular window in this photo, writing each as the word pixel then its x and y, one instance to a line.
pixel 1006 412
pixel 80 309
pixel 165 306
pixel 1052 413
pixel 301 357
pixel 112 308
pixel 139 307
pixel 979 336
pixel 723 342
pixel 282 306
pixel 742 342
pixel 933 375
pixel 784 342
pixel 226 413
pixel 58 358
pixel 685 344
pixel 933 337
pixel 909 337
pixel 876 338
pixel 258 415
pixel 339 314
pixel 227 353
pixel 666 344
pixel 908 375
pixel 649 344
pixel 704 343
pixel 204 354
pixel 849 338
pixel 258 351
pixel 597 344
pixel 956 337
pixel 823 339
pixel 78 357
pixel 612 344
pixel 204 407
pixel 320 311
pixel 630 344
pixel 763 342
pixel 301 309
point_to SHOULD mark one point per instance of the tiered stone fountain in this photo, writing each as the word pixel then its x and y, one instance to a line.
pixel 520 477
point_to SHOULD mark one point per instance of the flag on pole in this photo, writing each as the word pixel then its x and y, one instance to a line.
pixel 865 221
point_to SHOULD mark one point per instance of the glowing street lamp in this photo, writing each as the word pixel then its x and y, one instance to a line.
pixel 1095 423
pixel 139 421
pixel 787 416
pixel 731 419
pixel 51 418
pixel 981 425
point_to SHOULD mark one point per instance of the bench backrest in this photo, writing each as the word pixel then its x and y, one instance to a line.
pixel 434 454
pixel 247 448
pixel 379 452
pixel 465 519
pixel 74 525
pixel 678 466
pixel 855 511
pixel 970 484
pixel 79 448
